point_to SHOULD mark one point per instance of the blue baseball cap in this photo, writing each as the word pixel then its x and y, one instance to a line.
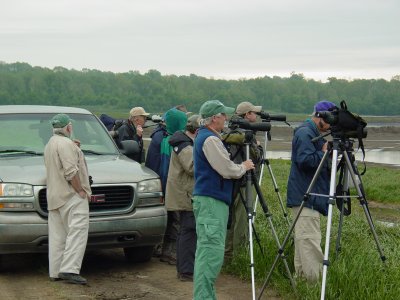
pixel 324 105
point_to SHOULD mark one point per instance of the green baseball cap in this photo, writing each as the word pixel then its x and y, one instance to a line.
pixel 60 121
pixel 214 107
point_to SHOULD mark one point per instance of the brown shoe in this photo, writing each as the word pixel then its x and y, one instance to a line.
pixel 172 261
pixel 168 259
pixel 185 277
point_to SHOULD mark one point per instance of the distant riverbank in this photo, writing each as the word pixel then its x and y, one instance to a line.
pixel 384 137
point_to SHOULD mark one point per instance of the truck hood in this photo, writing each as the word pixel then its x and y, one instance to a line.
pixel 104 169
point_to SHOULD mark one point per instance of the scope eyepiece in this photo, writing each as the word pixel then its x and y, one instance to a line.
pixel 327 116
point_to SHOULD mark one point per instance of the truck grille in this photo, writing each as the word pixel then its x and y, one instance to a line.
pixel 116 198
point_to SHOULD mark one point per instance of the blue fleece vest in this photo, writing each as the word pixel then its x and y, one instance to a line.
pixel 208 182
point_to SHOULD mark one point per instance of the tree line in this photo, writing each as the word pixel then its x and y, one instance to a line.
pixel 20 83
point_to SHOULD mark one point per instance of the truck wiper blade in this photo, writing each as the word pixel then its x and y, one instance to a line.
pixel 91 152
pixel 21 151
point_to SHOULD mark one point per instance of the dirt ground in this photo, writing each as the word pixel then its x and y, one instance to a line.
pixel 24 276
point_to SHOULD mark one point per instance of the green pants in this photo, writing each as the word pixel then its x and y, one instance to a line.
pixel 211 221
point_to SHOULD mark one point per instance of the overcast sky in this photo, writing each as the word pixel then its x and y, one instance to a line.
pixel 213 38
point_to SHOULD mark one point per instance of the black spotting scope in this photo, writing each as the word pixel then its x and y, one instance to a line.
pixel 244 124
pixel 268 117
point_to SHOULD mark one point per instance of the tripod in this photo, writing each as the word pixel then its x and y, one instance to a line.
pixel 343 146
pixel 265 161
pixel 251 178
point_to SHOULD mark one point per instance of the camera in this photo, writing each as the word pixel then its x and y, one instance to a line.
pixel 244 124
pixel 344 123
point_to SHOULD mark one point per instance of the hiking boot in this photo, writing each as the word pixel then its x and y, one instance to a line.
pixel 185 276
pixel 172 261
pixel 168 259
pixel 72 278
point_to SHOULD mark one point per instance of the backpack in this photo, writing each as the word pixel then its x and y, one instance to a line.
pixel 118 123
pixel 107 121
pixel 111 123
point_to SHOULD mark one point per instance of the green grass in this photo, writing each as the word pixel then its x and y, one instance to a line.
pixel 357 272
pixel 382 184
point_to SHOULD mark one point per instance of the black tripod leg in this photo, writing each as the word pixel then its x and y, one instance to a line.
pixel 252 224
pixel 338 247
pixel 276 188
pixel 363 202
pixel 342 190
pixel 269 217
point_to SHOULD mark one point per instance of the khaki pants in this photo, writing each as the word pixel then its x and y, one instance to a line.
pixel 68 234
pixel 308 255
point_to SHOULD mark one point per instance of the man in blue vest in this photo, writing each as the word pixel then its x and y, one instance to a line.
pixel 213 173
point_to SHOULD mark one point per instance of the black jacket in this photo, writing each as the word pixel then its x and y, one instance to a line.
pixel 127 131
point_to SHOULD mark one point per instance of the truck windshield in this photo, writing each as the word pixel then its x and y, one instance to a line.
pixel 29 133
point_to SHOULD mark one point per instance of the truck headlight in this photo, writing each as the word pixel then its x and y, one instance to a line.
pixel 149 193
pixel 149 186
pixel 15 190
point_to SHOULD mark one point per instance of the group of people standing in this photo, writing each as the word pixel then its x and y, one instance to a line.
pixel 201 181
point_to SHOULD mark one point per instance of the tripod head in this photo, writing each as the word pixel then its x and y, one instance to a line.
pixel 344 144
pixel 248 136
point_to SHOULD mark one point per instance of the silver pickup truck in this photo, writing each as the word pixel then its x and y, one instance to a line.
pixel 128 213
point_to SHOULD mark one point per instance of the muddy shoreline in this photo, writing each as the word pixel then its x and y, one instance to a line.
pixel 385 138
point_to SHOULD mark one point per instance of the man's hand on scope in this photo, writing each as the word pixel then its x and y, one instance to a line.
pixel 248 164
pixel 325 147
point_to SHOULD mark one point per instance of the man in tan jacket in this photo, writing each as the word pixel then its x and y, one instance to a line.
pixel 178 196
pixel 68 193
